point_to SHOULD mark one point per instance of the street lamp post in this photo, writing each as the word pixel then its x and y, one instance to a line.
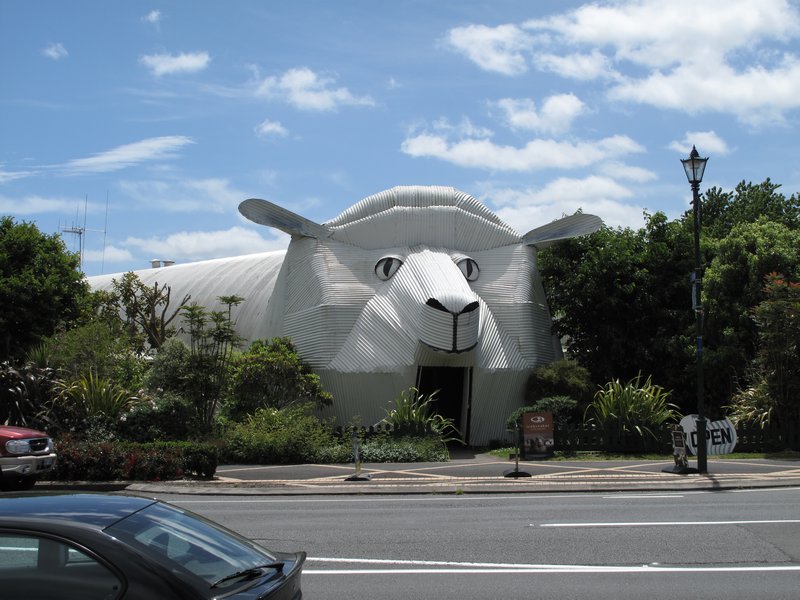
pixel 694 167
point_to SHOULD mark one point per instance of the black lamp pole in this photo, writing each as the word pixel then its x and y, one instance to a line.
pixel 694 167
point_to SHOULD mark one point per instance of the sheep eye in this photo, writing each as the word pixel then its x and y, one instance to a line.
pixel 469 268
pixel 387 267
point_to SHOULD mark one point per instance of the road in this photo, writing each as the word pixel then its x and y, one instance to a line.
pixel 731 545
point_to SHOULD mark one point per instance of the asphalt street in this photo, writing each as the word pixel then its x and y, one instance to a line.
pixel 734 544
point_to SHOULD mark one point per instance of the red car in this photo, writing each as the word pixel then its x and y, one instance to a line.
pixel 25 454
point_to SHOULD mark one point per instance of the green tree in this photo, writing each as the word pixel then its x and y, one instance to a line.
pixel 621 300
pixel 147 310
pixel 271 375
pixel 41 286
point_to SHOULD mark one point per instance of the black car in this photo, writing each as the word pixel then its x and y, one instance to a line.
pixel 108 546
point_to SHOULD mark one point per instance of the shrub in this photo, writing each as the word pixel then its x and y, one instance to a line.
pixel 560 378
pixel 278 436
pixel 25 394
pixel 91 395
pixel 384 448
pixel 271 375
pixel 167 417
pixel 415 411
pixel 632 408
pixel 79 460
pixel 562 408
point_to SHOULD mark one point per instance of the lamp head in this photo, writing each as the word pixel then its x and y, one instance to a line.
pixel 694 166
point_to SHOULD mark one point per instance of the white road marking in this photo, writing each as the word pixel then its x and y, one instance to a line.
pixel 637 496
pixel 449 567
pixel 665 523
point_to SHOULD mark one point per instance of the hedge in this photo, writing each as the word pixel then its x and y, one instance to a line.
pixel 129 461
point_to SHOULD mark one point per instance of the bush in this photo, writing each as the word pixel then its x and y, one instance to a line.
pixel 633 408
pixel 414 411
pixel 278 436
pixel 168 417
pixel 560 378
pixel 170 369
pixel 384 448
pixel 121 461
pixel 562 408
pixel 271 376
pixel 25 395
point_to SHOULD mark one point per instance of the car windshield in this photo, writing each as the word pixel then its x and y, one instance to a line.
pixel 189 543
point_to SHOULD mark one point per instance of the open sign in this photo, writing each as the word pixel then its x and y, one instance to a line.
pixel 720 435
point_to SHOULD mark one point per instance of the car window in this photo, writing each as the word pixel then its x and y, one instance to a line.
pixel 34 567
pixel 189 542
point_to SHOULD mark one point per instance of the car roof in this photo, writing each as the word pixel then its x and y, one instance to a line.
pixel 99 510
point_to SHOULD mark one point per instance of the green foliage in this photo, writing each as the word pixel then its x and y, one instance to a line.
pixel 562 407
pixel 166 417
pixel 278 436
pixel 25 394
pixel 170 369
pixel 621 301
pixel 752 405
pixel 775 385
pixel 416 411
pixel 385 448
pixel 41 286
pixel 94 346
pixel 212 342
pixel 146 309
pixel 119 461
pixel 91 395
pixel 622 298
pixel 560 378
pixel 271 375
pixel 632 408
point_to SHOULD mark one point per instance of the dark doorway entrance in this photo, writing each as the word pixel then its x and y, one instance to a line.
pixel 452 399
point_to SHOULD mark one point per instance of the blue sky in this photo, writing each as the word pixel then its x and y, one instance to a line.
pixel 148 123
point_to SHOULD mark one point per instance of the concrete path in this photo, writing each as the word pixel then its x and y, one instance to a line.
pixel 482 473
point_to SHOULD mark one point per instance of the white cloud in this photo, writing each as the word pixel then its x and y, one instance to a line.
pixel 201 245
pixel 535 155
pixel 32 205
pixel 601 196
pixel 756 95
pixel 724 58
pixel 55 51
pixel 191 195
pixel 624 171
pixel 128 155
pixel 497 49
pixel 583 67
pixel 705 141
pixel 110 254
pixel 153 18
pixel 168 64
pixel 463 129
pixel 271 129
pixel 6 176
pixel 555 116
pixel 306 90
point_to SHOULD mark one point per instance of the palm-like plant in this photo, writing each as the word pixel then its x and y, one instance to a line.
pixel 634 407
pixel 414 410
pixel 93 395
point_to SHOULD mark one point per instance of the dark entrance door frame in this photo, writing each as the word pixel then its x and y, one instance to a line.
pixel 455 396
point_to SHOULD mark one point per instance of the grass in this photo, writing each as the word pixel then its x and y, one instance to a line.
pixel 594 455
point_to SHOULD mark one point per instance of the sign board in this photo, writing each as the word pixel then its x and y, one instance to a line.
pixel 537 432
pixel 720 435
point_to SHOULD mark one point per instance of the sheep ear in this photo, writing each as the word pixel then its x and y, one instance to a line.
pixel 563 229
pixel 269 214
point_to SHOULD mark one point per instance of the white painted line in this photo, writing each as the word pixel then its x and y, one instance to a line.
pixel 637 496
pixel 450 567
pixel 666 523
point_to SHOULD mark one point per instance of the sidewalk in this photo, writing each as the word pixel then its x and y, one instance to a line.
pixel 468 473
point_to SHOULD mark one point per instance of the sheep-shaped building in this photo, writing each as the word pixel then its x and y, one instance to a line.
pixel 414 286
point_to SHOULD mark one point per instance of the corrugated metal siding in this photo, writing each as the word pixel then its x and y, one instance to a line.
pixel 252 277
